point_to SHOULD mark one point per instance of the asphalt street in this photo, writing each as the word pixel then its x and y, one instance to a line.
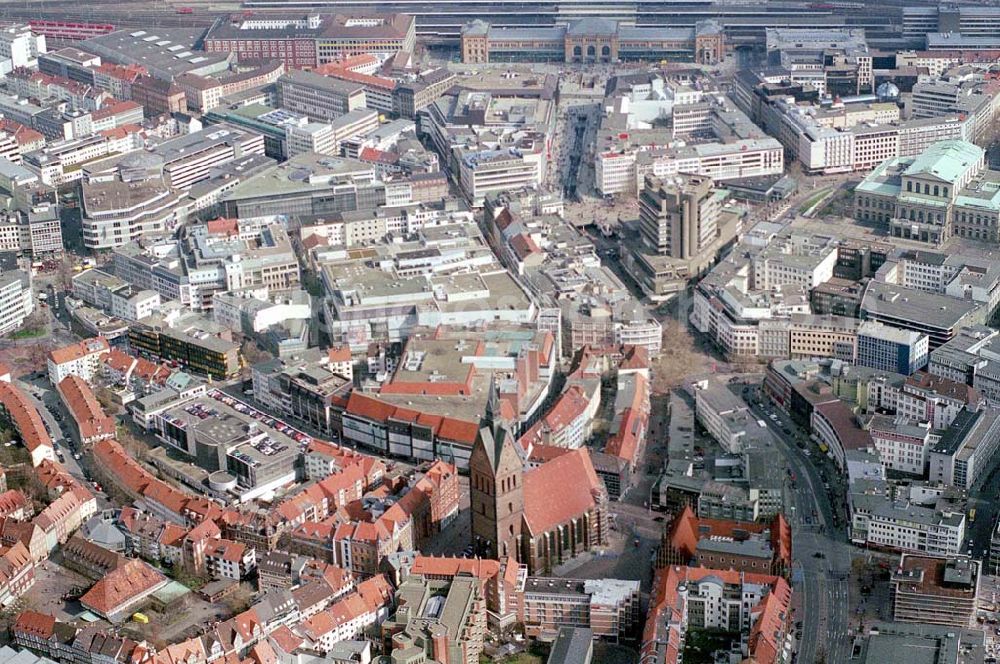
pixel 820 552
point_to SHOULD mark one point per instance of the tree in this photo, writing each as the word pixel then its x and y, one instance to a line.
pixel 253 354
pixel 132 443
pixel 239 600
pixel 106 397
pixel 37 356
pixel 65 273
pixel 678 359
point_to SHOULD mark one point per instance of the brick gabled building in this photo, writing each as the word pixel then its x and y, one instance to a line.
pixel 123 590
pixel 513 510
pixel 745 546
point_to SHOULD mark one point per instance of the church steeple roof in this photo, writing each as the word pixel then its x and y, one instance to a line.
pixel 493 432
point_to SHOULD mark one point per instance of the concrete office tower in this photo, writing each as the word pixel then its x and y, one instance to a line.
pixel 678 216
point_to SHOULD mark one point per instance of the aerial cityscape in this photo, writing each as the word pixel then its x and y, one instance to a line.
pixel 506 331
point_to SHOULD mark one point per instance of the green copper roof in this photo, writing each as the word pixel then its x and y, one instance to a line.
pixel 946 160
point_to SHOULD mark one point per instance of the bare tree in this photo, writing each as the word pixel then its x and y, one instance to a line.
pixel 37 356
pixel 132 444
pixel 106 397
pixel 239 600
pixel 65 273
pixel 253 353
pixel 678 359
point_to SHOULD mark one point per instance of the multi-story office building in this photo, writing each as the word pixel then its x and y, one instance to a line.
pixel 902 446
pixel 443 619
pixel 938 591
pixel 609 607
pixel 320 97
pixel 905 526
pixel 208 259
pixel 512 152
pixel 303 388
pixel 971 358
pixel 190 340
pixel 841 54
pixel 20 47
pixel 378 90
pixel 725 416
pixel 410 97
pixel 484 172
pixel 812 336
pixel 967 449
pixel 939 317
pixel 16 300
pixel 44 230
pixel 892 349
pixel 936 400
pixel 159 95
pixel 334 185
pixel 189 159
pixel 116 212
pixel 855 135
pixel 705 135
pixel 678 216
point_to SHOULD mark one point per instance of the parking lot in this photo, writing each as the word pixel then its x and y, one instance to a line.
pixel 239 406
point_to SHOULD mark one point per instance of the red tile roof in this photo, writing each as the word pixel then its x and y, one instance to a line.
pixel 446 567
pixel 571 404
pixel 359 60
pixel 120 586
pixel 634 357
pixel 118 361
pixel 447 428
pixel 545 453
pixel 767 633
pixel 339 354
pixel 524 246
pixel 22 133
pixel 333 70
pixel 86 410
pixel 227 550
pixel 79 350
pixel 12 501
pixel 625 442
pixel 286 639
pixel 687 529
pixel 314 241
pixel 374 156
pixel 924 381
pixel 115 108
pixel 223 226
pixel 579 491
pixel 33 623
pixel 25 417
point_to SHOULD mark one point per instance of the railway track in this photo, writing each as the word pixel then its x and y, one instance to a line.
pixel 126 14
